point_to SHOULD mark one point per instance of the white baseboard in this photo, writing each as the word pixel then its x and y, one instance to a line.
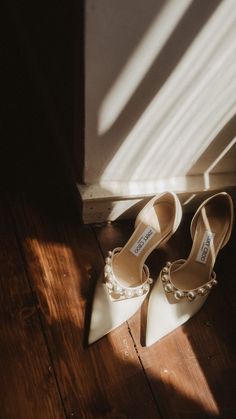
pixel 109 201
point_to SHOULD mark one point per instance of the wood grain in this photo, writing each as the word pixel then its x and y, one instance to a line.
pixel 191 372
pixel 63 260
pixel 27 383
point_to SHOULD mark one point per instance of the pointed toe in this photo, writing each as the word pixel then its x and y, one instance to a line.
pixel 184 285
pixel 107 315
pixel 163 317
pixel 126 282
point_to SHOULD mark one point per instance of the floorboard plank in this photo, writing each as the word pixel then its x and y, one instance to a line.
pixel 191 371
pixel 105 380
pixel 27 383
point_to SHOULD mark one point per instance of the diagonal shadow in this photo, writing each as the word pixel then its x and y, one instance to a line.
pixel 74 365
pixel 216 149
pixel 37 172
pixel 180 40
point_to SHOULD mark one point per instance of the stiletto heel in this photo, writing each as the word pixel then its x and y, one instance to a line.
pixel 184 285
pixel 126 281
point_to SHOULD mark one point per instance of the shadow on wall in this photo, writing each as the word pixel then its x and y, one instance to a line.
pixel 212 159
pixel 166 95
pixel 48 221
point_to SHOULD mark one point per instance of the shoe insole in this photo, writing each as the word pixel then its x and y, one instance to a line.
pixel 157 224
pixel 212 225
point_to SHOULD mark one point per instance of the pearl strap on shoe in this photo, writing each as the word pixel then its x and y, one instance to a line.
pixel 118 291
pixel 176 294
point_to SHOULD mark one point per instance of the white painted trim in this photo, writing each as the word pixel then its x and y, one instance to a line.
pixel 109 201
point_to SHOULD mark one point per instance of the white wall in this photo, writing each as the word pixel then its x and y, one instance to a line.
pixel 160 96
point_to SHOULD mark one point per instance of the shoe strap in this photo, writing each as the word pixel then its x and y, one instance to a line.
pixel 118 291
pixel 174 294
pixel 228 202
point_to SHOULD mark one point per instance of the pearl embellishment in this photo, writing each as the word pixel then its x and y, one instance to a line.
pixel 168 288
pixel 189 295
pixel 116 290
pixel 178 294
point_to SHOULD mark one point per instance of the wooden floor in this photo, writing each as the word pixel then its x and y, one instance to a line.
pixel 49 264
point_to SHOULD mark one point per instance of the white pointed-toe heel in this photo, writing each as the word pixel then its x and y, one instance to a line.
pixel 184 285
pixel 126 282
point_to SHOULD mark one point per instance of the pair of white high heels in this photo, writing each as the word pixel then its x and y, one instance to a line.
pixel 183 285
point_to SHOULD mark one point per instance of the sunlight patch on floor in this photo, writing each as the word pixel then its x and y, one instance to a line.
pixel 181 390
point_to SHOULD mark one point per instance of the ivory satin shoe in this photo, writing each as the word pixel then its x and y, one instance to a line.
pixel 126 281
pixel 184 285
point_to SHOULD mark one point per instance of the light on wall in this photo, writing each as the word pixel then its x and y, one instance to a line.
pixel 188 111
